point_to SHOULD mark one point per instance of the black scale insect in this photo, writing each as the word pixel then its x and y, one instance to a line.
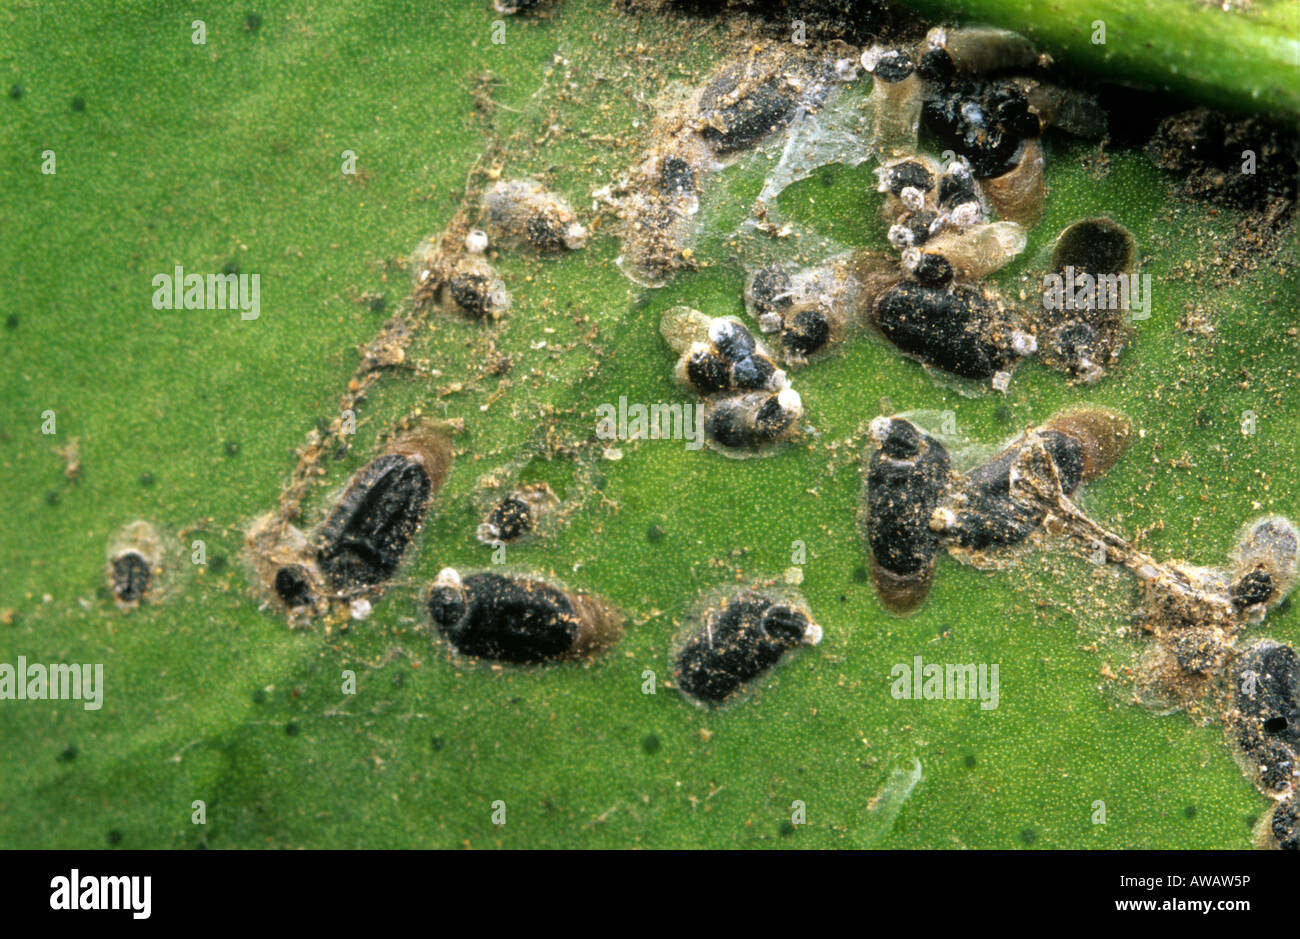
pixel 364 538
pixel 293 585
pixel 741 640
pixel 915 503
pixel 905 478
pixel 989 516
pixel 511 518
pixel 953 327
pixel 1285 824
pixel 752 421
pixel 516 619
pixel 676 176
pixel 730 361
pixel 771 295
pixel 737 117
pixel 1266 695
pixel 749 405
pixel 131 577
pixel 362 542
pixel 986 122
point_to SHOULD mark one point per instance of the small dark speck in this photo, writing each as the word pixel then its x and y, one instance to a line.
pixel 52 498
pixel 1002 414
pixel 1203 418
pixel 232 448
pixel 843 598
pixel 201 846
pixel 378 303
pixel 11 321
pixel 786 829
pixel 1283 607
pixel 291 729
pixel 969 761
pixel 69 754
pixel 252 22
pixel 16 92
pixel 114 837
pixel 1029 836
pixel 435 743
pixel 399 678
pixel 860 575
pixel 828 180
pixel 146 479
pixel 341 452
pixel 78 103
pixel 1190 811
pixel 217 564
pixel 654 534
pixel 650 744
pixel 516 699
pixel 641 302
pixel 259 696
pixel 1252 821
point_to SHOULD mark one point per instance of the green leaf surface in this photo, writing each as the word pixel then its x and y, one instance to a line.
pixel 230 153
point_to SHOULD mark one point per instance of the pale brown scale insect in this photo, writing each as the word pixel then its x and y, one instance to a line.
pixel 1019 195
pixel 976 49
pixel 1104 434
pixel 896 95
pixel 974 252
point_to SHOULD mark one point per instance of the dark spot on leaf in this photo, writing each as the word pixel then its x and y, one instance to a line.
pixel 654 534
pixel 399 678
pixel 786 829
pixel 1029 836
pixel 291 729
pixel 650 744
pixel 232 448
pixel 114 837
pixel 78 103
pixel 69 754
pixel 146 479
pixel 435 743
pixel 259 696
pixel 252 22
pixel 860 575
pixel 217 564
pixel 11 321
pixel 52 498
pixel 16 92
pixel 1190 811
pixel 969 761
